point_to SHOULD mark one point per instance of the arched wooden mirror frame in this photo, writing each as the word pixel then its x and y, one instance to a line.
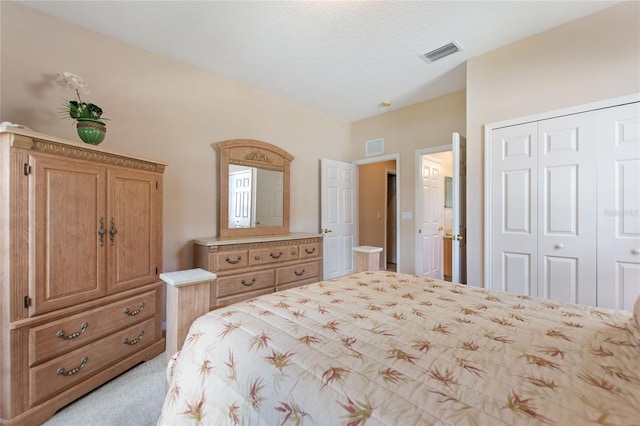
pixel 262 155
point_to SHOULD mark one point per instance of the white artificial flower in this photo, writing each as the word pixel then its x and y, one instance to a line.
pixel 73 81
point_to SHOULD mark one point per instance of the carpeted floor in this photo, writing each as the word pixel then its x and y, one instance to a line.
pixel 133 398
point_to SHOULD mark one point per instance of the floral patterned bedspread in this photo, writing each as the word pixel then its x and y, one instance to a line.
pixel 395 349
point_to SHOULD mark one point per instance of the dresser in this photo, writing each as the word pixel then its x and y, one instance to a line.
pixel 252 266
pixel 80 258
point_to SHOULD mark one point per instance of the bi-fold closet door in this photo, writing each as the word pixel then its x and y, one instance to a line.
pixel 564 221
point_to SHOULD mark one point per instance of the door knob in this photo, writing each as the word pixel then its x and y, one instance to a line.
pixel 457 237
pixel 635 251
pixel 440 228
pixel 559 246
pixel 327 230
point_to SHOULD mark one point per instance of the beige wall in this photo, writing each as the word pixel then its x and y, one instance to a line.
pixel 424 125
pixel 594 58
pixel 161 109
pixel 372 205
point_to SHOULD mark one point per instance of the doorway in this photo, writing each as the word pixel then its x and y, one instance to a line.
pixel 376 224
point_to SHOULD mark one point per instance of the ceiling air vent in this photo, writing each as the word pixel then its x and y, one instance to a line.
pixel 440 52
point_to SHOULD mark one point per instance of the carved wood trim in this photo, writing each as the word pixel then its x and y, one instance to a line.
pixel 80 153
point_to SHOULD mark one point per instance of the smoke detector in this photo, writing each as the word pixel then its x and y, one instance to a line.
pixel 440 52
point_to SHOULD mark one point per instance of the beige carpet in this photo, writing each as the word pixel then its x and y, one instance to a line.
pixel 133 398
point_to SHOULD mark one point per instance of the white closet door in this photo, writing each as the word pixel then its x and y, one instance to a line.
pixel 619 206
pixel 567 162
pixel 514 180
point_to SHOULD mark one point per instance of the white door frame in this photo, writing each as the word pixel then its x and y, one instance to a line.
pixel 418 185
pixel 380 159
pixel 488 166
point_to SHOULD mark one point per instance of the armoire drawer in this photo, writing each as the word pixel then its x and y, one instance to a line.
pixel 65 371
pixel 58 337
pixel 300 272
pixel 251 281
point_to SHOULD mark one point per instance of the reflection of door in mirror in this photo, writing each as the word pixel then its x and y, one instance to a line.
pixel 240 196
pixel 269 198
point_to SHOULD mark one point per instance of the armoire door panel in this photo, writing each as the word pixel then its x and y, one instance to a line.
pixel 133 237
pixel 619 206
pixel 67 213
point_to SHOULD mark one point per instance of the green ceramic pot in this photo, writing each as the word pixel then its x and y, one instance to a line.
pixel 91 131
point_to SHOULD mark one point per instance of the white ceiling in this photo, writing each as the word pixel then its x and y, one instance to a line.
pixel 340 57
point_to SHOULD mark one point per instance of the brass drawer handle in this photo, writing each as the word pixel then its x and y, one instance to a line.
pixel 126 340
pixel 62 372
pixel 83 327
pixel 134 313
pixel 299 273
pixel 233 262
pixel 275 257
pixel 306 250
pixel 246 284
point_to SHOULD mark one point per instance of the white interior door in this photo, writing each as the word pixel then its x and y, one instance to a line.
pixel 567 208
pixel 619 206
pixel 513 259
pixel 338 216
pixel 269 188
pixel 459 210
pixel 240 195
pixel 431 206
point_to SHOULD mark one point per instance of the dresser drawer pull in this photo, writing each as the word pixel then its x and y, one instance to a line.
pixel 126 340
pixel 233 262
pixel 273 256
pixel 83 327
pixel 309 251
pixel 61 371
pixel 301 273
pixel 134 313
pixel 246 284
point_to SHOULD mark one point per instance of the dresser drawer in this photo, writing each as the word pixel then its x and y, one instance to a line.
pixel 58 337
pixel 302 271
pixel 308 251
pixel 228 286
pixel 228 260
pixel 65 371
pixel 279 254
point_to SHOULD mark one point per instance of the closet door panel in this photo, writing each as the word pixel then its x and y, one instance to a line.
pixel 619 206
pixel 514 185
pixel 567 206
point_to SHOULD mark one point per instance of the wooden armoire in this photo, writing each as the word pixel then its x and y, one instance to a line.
pixel 80 258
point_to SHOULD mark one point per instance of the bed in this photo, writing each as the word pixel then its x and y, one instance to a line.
pixel 395 349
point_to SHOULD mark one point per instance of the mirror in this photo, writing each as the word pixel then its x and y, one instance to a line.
pixel 254 188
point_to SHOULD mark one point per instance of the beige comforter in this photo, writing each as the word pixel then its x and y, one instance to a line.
pixel 395 349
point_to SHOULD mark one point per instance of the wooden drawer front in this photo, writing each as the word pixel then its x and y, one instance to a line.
pixel 58 337
pixel 232 260
pixel 242 283
pixel 278 254
pixel 224 301
pixel 65 371
pixel 255 257
pixel 308 251
pixel 303 271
